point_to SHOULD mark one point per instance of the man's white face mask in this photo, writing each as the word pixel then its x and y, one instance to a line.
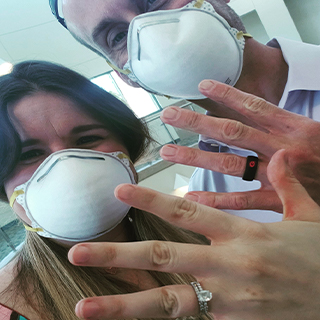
pixel 171 51
pixel 71 194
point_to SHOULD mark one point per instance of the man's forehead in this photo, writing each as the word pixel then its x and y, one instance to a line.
pixel 84 15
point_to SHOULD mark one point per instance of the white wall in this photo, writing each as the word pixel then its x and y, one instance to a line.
pixel 306 16
pixel 164 180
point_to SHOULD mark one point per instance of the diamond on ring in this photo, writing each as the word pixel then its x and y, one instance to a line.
pixel 203 296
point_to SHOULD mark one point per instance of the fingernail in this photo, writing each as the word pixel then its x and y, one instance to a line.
pixel 192 197
pixel 87 310
pixel 170 113
pixel 168 151
pixel 81 254
pixel 126 192
pixel 206 85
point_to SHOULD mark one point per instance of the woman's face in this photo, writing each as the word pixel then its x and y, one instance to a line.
pixel 47 123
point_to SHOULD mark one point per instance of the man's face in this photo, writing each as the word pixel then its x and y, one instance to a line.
pixel 103 24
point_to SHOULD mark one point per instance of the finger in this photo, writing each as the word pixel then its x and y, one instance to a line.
pixel 210 222
pixel 225 163
pixel 166 302
pixel 296 201
pixel 228 131
pixel 263 113
pixel 257 199
pixel 163 256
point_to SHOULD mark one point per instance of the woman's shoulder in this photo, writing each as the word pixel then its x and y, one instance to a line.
pixel 7 275
pixel 16 302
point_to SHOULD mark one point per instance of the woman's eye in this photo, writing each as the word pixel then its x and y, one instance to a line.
pixel 152 5
pixel 31 155
pixel 88 139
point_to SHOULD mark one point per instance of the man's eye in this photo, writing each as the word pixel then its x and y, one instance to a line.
pixel 31 155
pixel 88 139
pixel 119 37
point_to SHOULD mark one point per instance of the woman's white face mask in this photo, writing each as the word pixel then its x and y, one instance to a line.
pixel 71 194
pixel 171 51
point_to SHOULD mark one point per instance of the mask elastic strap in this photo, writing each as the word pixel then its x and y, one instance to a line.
pixel 14 196
pixel 241 34
pixel 33 229
pixel 126 72
pixel 198 4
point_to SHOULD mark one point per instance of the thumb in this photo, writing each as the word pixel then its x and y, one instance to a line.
pixel 297 204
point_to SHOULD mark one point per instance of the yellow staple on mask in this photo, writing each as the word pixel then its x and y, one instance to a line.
pixel 33 229
pixel 199 4
pixel 241 34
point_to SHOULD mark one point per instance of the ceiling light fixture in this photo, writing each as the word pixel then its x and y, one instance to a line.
pixel 5 67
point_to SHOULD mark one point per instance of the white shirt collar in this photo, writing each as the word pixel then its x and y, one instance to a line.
pixel 304 65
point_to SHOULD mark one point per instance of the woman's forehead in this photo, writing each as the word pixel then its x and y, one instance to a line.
pixel 42 111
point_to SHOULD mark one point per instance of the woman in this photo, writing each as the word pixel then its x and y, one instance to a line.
pixel 47 111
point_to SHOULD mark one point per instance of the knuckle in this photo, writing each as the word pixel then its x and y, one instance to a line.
pixel 161 254
pixel 184 209
pixel 211 200
pixel 226 94
pixel 148 198
pixel 255 104
pixel 258 267
pixel 193 120
pixel 239 202
pixel 191 157
pixel 109 254
pixel 117 309
pixel 231 164
pixel 233 130
pixel 169 302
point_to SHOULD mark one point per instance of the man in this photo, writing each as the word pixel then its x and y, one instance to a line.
pixel 282 72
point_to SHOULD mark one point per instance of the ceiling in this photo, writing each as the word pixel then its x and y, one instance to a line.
pixel 28 30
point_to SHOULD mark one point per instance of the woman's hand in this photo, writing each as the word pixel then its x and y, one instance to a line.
pixel 254 271
pixel 273 129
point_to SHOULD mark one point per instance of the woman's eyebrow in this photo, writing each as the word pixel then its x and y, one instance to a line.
pixel 87 127
pixel 29 142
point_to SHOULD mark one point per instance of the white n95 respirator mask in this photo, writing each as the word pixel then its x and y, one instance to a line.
pixel 171 51
pixel 71 194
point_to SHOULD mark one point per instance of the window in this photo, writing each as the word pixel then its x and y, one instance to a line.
pixel 139 101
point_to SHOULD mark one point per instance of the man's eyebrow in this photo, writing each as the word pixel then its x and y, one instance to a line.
pixel 100 27
pixel 87 127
